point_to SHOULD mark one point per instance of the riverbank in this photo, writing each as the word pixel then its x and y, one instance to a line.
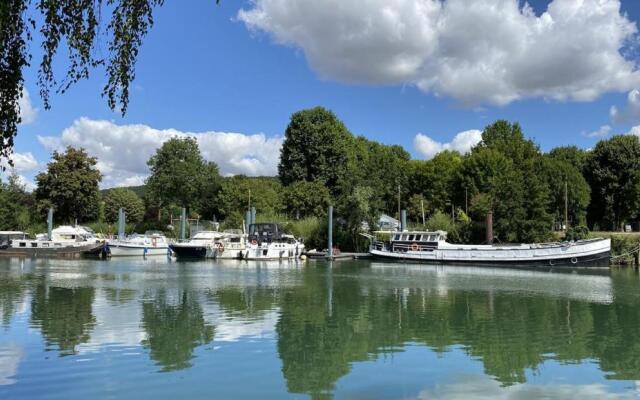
pixel 623 245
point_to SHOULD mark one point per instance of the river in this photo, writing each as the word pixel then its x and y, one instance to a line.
pixel 159 329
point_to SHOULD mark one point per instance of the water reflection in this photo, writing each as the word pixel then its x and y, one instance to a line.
pixel 325 321
pixel 174 327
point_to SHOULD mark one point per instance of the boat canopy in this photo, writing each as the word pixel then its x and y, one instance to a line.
pixel 419 236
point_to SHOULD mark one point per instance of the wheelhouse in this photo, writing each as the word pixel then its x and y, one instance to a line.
pixel 417 241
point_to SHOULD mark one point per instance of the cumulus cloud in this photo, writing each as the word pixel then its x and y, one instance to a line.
pixel 28 113
pixel 630 113
pixel 123 150
pixel 491 51
pixel 462 142
pixel 634 131
pixel 603 131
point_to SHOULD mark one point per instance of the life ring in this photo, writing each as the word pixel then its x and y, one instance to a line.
pixel 574 260
pixel 414 247
pixel 154 242
pixel 220 247
pixel 254 242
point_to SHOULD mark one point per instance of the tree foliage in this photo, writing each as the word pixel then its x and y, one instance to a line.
pixel 180 175
pixel 305 199
pixel 317 147
pixel 233 197
pixel 612 170
pixel 127 199
pixel 70 186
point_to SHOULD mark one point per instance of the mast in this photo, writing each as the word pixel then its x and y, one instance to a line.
pixel 566 207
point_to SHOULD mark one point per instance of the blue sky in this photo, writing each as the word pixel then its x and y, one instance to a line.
pixel 235 79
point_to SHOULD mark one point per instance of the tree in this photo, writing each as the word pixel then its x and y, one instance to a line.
pixel 570 154
pixel 508 139
pixel 124 198
pixel 436 179
pixel 15 204
pixel 317 147
pixel 233 198
pixel 611 171
pixel 180 175
pixel 70 185
pixel 304 199
pixel 557 173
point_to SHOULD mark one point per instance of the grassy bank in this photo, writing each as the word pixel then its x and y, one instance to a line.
pixel 621 243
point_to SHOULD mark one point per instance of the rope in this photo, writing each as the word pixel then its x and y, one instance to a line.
pixel 635 250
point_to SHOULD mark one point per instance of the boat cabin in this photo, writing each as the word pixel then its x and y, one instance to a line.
pixel 267 232
pixel 417 241
pixel 7 236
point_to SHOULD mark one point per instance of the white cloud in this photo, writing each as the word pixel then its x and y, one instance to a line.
pixel 28 113
pixel 630 113
pixel 123 150
pixel 634 131
pixel 462 142
pixel 603 131
pixel 22 162
pixel 486 388
pixel 490 51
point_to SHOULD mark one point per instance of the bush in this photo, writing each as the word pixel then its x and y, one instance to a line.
pixel 579 232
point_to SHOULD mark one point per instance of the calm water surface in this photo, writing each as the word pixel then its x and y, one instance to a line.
pixel 154 329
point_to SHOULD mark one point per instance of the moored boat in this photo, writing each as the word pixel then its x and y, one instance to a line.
pixel 231 245
pixel 64 241
pixel 432 247
pixel 201 245
pixel 267 241
pixel 150 244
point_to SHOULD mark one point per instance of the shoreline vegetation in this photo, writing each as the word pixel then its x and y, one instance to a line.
pixel 531 194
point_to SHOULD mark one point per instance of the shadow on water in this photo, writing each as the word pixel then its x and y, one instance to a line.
pixel 328 319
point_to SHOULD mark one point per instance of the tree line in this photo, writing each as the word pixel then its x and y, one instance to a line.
pixel 323 163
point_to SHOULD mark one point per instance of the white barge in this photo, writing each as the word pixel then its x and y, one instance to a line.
pixel 432 247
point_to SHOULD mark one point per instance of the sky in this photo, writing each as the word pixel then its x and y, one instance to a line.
pixel 425 74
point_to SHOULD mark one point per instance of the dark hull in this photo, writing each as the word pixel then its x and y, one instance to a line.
pixel 61 252
pixel 188 252
pixel 600 260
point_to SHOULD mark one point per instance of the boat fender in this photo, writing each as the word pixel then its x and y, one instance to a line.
pixel 154 242
pixel 574 260
pixel 414 247
pixel 220 247
pixel 254 242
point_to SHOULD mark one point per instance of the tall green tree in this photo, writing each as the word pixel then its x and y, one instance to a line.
pixel 180 175
pixel 611 171
pixel 317 147
pixel 70 186
pixel 570 154
pixel 238 191
pixel 305 199
pixel 15 205
pixel 558 172
pixel 437 179
pixel 124 198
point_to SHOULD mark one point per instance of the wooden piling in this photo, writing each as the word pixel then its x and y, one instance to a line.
pixel 489 227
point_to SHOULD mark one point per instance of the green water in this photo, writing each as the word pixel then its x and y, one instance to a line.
pixel 154 329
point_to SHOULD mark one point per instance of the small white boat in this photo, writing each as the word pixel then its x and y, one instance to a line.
pixel 65 241
pixel 268 242
pixel 150 244
pixel 231 245
pixel 432 247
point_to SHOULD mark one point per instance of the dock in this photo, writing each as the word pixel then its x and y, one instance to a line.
pixel 336 257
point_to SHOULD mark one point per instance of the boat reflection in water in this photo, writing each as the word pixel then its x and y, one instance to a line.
pixel 320 329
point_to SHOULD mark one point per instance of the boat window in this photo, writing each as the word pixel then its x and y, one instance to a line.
pixel 411 237
pixel 430 238
pixel 404 237
pixel 396 237
pixel 418 238
pixel 34 244
pixel 23 244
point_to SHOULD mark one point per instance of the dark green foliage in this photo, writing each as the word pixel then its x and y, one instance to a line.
pixel 233 197
pixel 352 211
pixel 435 179
pixel 304 199
pixel 15 205
pixel 317 147
pixel 612 170
pixel 181 176
pixel 556 174
pixel 572 155
pixel 126 199
pixel 579 232
pixel 70 185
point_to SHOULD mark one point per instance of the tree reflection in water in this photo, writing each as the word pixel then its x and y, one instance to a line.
pixel 174 330
pixel 63 314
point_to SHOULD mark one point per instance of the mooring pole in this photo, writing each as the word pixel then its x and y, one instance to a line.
pixel 50 223
pixel 403 220
pixel 489 227
pixel 253 215
pixel 247 219
pixel 566 207
pixel 330 232
pixel 183 224
pixel 121 224
pixel 422 206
